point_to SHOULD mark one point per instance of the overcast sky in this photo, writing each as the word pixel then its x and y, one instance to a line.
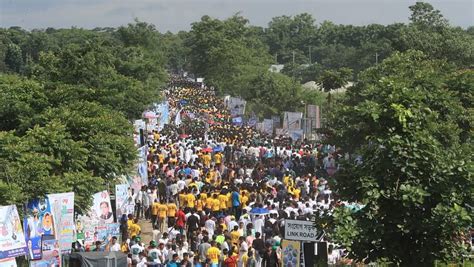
pixel 175 15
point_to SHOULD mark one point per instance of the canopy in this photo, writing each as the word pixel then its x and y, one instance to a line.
pixel 259 211
pixel 98 259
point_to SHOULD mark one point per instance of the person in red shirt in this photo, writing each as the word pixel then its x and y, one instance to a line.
pixel 180 220
pixel 231 260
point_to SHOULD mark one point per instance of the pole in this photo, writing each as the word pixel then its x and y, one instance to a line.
pixel 293 57
pixel 376 58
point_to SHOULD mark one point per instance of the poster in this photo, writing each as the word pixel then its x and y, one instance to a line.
pixel 268 126
pixel 90 231
pixel 291 253
pixel 237 121
pixel 38 221
pixel 50 251
pixel 63 213
pixel 292 120
pixel 12 239
pixel 102 210
pixel 9 262
pixel 296 134
pixel 123 200
pixel 142 168
pixel 236 105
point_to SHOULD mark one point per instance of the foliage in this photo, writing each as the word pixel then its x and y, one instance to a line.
pixel 334 79
pixel 415 176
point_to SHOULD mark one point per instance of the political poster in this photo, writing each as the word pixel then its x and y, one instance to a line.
pixel 276 121
pixel 292 120
pixel 296 134
pixel 102 207
pixel 123 200
pixel 143 165
pixel 235 105
pixel 51 253
pixel 237 121
pixel 38 221
pixel 89 231
pixel 268 126
pixel 12 239
pixel 63 213
pixel 291 251
pixel 9 262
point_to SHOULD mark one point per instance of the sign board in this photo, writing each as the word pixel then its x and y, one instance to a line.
pixel 63 212
pixel 291 251
pixel 12 239
pixel 300 231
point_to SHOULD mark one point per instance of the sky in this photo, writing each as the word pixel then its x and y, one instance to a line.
pixel 176 15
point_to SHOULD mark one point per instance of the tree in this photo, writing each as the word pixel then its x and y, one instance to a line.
pixel 14 58
pixel 334 79
pixel 424 15
pixel 414 178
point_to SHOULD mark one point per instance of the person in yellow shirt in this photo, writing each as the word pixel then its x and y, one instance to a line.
pixel 190 200
pixel 134 229
pixel 199 204
pixel 244 199
pixel 171 213
pixel 161 158
pixel 154 212
pixel 223 202
pixel 234 235
pixel 182 199
pixel 209 202
pixel 218 158
pixel 213 253
pixel 216 204
pixel 206 158
pixel 162 211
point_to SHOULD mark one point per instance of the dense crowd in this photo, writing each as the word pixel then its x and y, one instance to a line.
pixel 219 193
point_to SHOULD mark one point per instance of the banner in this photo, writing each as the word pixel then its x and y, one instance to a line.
pixel 101 209
pixel 51 255
pixel 10 262
pixel 123 200
pixel 291 253
pixel 296 134
pixel 268 126
pixel 143 165
pixel 237 121
pixel 276 121
pixel 90 231
pixel 38 221
pixel 292 120
pixel 12 239
pixel 236 105
pixel 63 213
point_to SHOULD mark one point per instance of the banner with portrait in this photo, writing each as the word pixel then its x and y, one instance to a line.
pixel 101 209
pixel 51 253
pixel 123 200
pixel 12 239
pixel 9 262
pixel 63 213
pixel 268 126
pixel 291 253
pixel 38 221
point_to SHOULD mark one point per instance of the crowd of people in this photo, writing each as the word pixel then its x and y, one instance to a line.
pixel 219 193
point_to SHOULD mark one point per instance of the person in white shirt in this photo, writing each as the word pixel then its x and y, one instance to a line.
pixel 136 249
pixel 243 249
pixel 114 246
pixel 210 226
pixel 258 224
pixel 154 252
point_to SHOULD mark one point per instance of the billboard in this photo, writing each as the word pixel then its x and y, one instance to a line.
pixel 12 238
pixel 38 221
pixel 63 213
pixel 123 200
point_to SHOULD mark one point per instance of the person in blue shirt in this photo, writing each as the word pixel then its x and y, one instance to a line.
pixel 235 196
pixel 173 262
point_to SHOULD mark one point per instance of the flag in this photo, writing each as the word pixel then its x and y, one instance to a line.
pixel 177 120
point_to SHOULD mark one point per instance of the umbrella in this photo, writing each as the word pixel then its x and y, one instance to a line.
pixel 218 149
pixel 259 211
pixel 207 149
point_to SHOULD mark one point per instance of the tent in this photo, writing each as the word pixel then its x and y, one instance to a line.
pixel 98 259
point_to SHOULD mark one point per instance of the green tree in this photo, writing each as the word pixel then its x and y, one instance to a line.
pixel 14 58
pixel 424 15
pixel 415 174
pixel 334 79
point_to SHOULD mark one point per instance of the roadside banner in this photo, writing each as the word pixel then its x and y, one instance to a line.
pixel 63 213
pixel 12 239
pixel 102 210
pixel 9 262
pixel 292 120
pixel 300 230
pixel 291 253
pixel 268 126
pixel 38 221
pixel 123 200
pixel 51 254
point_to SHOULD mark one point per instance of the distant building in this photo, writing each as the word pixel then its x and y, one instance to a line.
pixel 276 68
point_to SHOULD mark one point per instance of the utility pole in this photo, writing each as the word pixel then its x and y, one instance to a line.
pixel 376 58
pixel 293 57
pixel 276 58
